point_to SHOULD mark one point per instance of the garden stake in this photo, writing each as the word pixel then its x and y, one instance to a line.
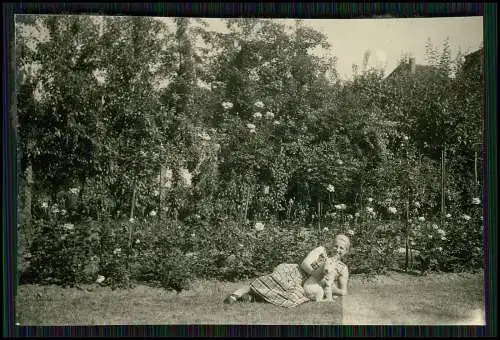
pixel 132 205
pixel 443 155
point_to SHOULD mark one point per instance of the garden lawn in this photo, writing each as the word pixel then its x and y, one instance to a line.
pixel 392 299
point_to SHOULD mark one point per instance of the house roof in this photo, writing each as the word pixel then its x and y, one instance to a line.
pixel 473 60
pixel 405 69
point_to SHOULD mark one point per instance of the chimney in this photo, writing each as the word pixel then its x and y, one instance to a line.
pixel 411 62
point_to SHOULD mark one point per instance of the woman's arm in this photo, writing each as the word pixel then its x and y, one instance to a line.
pixel 342 280
pixel 313 256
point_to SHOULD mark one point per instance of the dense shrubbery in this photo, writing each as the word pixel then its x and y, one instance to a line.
pixel 171 254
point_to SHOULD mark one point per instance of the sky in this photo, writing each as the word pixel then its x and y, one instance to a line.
pixel 388 39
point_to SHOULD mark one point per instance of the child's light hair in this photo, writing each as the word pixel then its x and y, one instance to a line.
pixel 345 239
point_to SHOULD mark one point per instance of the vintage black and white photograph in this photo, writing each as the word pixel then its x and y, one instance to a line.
pixel 177 170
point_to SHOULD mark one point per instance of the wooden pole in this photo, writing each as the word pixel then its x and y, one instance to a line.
pixel 443 183
pixel 160 190
pixel 407 233
pixel 132 205
pixel 475 168
pixel 247 199
pixel 319 215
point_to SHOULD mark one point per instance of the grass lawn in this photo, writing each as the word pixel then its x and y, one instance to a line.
pixel 391 299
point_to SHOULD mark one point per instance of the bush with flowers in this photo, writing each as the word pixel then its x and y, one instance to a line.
pixel 64 253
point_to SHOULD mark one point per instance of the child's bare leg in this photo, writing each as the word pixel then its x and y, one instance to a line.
pixel 241 291
pixel 328 293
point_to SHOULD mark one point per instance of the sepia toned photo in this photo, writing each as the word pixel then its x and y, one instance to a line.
pixel 249 171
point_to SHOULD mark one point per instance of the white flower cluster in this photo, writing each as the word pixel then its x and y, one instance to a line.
pixel 204 136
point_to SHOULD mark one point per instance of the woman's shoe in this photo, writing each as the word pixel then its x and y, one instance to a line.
pixel 247 298
pixel 231 299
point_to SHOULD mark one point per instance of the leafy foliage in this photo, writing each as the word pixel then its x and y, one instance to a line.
pixel 172 151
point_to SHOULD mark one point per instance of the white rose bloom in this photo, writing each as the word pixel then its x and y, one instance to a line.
pixel 100 279
pixel 269 115
pixel 227 105
pixel 259 226
pixel 69 226
pixel 257 115
pixel 259 104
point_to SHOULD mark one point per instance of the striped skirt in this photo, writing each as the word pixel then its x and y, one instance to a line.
pixel 283 287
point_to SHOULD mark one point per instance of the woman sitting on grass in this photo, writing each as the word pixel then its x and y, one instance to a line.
pixel 291 285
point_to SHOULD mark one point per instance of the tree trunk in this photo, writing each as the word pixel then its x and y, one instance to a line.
pixel 27 227
pixel 28 186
